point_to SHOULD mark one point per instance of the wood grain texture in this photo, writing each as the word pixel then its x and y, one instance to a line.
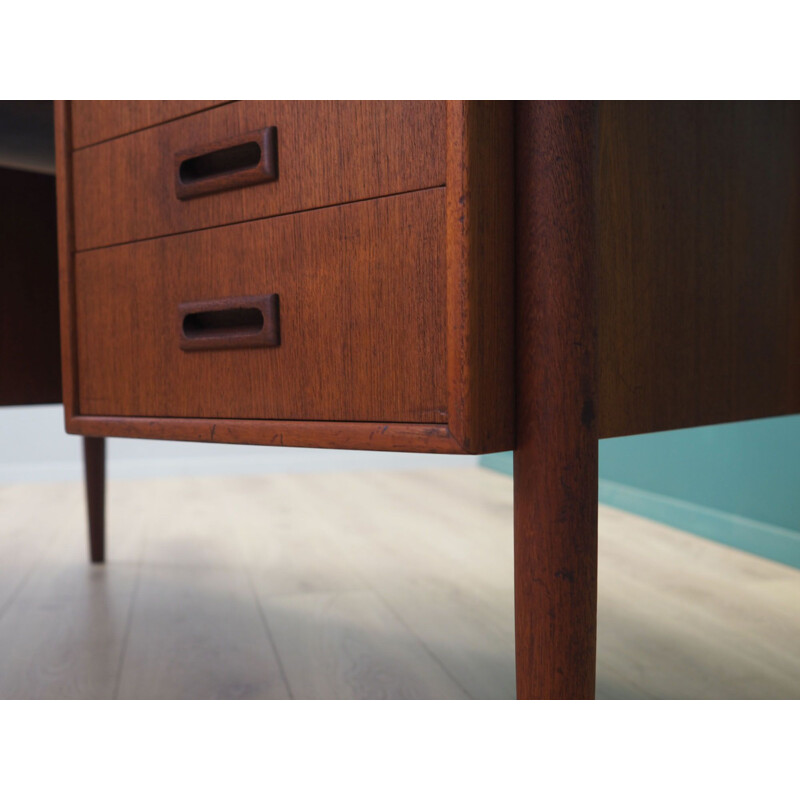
pixel 555 461
pixel 329 152
pixel 30 369
pixel 229 322
pixel 283 433
pixel 480 274
pixel 362 319
pixel 679 616
pixel 20 513
pixel 698 230
pixel 208 167
pixel 330 650
pixel 196 629
pixel 66 263
pixel 97 120
pixel 198 633
pixel 471 384
pixel 67 619
pixel 685 618
pixel 444 565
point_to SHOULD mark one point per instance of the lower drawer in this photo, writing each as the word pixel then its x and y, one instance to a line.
pixel 361 318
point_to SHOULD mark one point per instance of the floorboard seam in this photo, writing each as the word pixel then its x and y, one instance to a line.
pixel 270 638
pixel 26 577
pixel 129 620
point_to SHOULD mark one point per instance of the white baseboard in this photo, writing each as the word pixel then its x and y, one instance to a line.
pixel 754 536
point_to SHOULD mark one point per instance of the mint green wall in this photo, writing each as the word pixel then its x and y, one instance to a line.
pixel 738 484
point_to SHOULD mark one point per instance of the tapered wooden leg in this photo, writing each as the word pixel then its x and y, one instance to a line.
pixel 94 460
pixel 555 463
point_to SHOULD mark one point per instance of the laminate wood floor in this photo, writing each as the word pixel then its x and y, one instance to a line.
pixel 358 585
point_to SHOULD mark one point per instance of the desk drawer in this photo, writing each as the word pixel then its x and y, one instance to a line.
pixel 361 305
pixel 326 153
pixel 387 237
pixel 97 120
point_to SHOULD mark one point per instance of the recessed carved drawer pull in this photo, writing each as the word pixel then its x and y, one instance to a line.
pixel 230 323
pixel 230 164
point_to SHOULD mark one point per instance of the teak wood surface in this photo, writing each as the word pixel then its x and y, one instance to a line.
pixel 361 319
pixel 555 461
pixel 480 287
pixel 698 240
pixel 657 286
pixel 97 120
pixel 328 153
pixel 434 311
pixel 220 175
pixel 252 321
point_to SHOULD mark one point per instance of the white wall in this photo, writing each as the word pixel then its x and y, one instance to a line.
pixel 34 447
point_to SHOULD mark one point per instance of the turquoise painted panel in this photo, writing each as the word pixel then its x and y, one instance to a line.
pixel 751 469
pixel 501 462
pixel 768 541
pixel 738 484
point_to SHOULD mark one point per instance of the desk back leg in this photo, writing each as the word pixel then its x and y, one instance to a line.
pixel 555 462
pixel 94 458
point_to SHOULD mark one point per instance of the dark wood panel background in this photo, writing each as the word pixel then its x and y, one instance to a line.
pixel 328 152
pixel 698 232
pixel 362 318
pixel 97 120
pixel 30 366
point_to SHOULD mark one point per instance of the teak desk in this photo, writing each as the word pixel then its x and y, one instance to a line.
pixel 455 277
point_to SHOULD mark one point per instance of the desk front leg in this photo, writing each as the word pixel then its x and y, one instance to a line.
pixel 555 462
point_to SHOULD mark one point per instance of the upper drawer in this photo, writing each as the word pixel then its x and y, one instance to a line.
pixel 97 120
pixel 327 153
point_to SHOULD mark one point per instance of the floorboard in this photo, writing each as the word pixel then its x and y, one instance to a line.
pixel 358 585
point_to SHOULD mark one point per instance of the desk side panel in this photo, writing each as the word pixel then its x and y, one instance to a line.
pixel 29 337
pixel 698 235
